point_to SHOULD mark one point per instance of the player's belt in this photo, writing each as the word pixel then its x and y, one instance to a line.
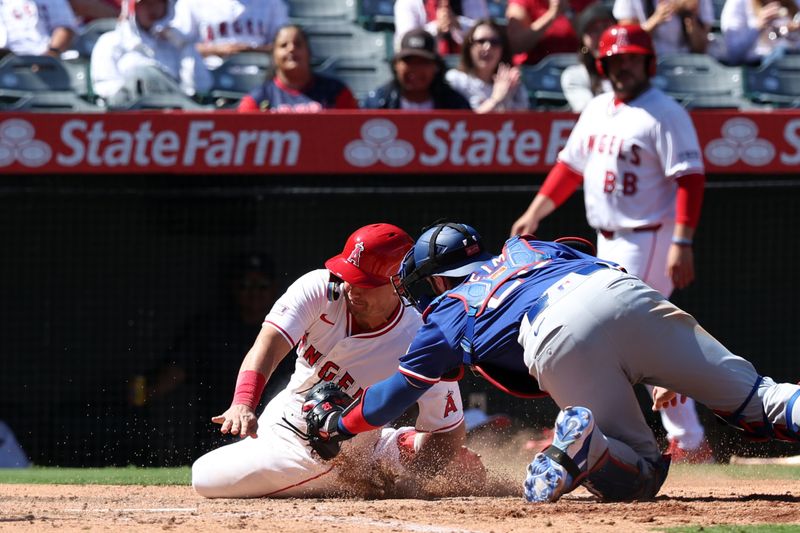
pixel 544 300
pixel 608 234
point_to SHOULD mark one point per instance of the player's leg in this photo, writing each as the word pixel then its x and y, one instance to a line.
pixel 644 254
pixel 276 464
pixel 568 351
pixel 666 346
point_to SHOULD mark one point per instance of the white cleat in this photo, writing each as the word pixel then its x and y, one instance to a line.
pixel 547 480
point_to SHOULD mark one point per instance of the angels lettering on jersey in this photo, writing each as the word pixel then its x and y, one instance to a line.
pixel 329 370
pixel 241 27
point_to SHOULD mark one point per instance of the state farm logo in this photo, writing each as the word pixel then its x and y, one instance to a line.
pixel 379 142
pixel 17 144
pixel 740 141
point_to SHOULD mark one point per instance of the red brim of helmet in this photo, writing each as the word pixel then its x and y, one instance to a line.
pixel 350 273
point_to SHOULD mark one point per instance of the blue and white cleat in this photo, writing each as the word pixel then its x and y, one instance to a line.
pixel 553 472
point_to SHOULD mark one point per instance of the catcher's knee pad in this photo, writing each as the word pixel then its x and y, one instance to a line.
pixel 612 480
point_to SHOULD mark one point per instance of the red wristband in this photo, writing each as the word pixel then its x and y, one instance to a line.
pixel 249 386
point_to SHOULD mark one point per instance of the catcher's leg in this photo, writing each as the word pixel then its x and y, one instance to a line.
pixel 582 455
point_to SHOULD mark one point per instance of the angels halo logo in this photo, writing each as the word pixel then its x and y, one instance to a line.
pixel 17 143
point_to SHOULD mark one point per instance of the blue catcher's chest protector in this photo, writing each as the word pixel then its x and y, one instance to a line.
pixel 481 292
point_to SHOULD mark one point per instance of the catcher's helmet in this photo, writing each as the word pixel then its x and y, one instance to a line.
pixel 625 39
pixel 371 255
pixel 444 249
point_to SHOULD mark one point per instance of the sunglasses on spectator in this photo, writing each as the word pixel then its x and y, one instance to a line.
pixel 494 41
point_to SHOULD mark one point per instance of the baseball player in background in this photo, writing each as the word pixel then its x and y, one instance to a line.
pixel 636 153
pixel 350 329
pixel 36 27
pixel 542 316
pixel 226 27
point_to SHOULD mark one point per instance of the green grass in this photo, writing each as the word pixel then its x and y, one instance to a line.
pixel 98 476
pixel 764 528
pixel 739 471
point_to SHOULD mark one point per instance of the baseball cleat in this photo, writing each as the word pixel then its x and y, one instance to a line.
pixel 547 480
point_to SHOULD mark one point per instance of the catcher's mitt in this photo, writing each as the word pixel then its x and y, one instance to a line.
pixel 322 409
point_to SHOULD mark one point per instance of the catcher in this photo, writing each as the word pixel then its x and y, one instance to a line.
pixel 350 331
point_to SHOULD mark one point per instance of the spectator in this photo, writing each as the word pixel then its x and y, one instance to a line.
pixel 676 26
pixel 447 20
pixel 582 82
pixel 537 28
pixel 142 44
pixel 485 75
pixel 89 10
pixel 418 79
pixel 226 27
pixel 197 369
pixel 36 27
pixel 755 29
pixel 295 88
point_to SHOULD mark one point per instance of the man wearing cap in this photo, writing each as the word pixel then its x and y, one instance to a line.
pixel 418 83
pixel 349 329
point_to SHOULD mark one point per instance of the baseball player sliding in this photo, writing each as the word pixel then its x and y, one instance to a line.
pixel 542 316
pixel 350 330
pixel 636 153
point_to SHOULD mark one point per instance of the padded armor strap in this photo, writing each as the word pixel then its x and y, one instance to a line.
pixel 559 456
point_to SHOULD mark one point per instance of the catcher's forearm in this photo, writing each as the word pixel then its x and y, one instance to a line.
pixel 380 404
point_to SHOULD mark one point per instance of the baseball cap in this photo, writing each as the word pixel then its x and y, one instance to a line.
pixel 417 43
pixel 371 255
pixel 593 12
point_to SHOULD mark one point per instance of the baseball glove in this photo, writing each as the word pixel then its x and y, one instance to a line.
pixel 322 409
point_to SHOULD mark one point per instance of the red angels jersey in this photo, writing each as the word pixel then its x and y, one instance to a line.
pixel 327 349
pixel 629 155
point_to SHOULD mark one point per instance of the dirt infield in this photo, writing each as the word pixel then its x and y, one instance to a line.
pixel 691 496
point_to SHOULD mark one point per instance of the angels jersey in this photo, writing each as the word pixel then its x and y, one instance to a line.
pixel 27 25
pixel 252 22
pixel 328 349
pixel 629 155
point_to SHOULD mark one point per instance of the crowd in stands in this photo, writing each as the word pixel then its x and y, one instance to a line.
pixel 441 54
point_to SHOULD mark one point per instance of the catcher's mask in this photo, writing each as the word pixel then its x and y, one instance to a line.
pixel 444 249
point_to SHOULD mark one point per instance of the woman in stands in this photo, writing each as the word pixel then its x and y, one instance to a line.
pixel 756 29
pixel 485 75
pixel 446 20
pixel 295 88
pixel 582 82
pixel 418 83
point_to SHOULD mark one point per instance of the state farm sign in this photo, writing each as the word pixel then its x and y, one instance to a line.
pixel 372 143
pixel 101 145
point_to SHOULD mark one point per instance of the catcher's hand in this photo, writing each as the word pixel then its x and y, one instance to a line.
pixel 322 409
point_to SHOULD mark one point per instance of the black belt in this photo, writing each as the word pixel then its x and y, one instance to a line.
pixel 608 234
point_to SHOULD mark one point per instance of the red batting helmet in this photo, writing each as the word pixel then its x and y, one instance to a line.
pixel 371 255
pixel 625 39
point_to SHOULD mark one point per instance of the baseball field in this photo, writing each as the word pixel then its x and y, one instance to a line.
pixel 720 497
